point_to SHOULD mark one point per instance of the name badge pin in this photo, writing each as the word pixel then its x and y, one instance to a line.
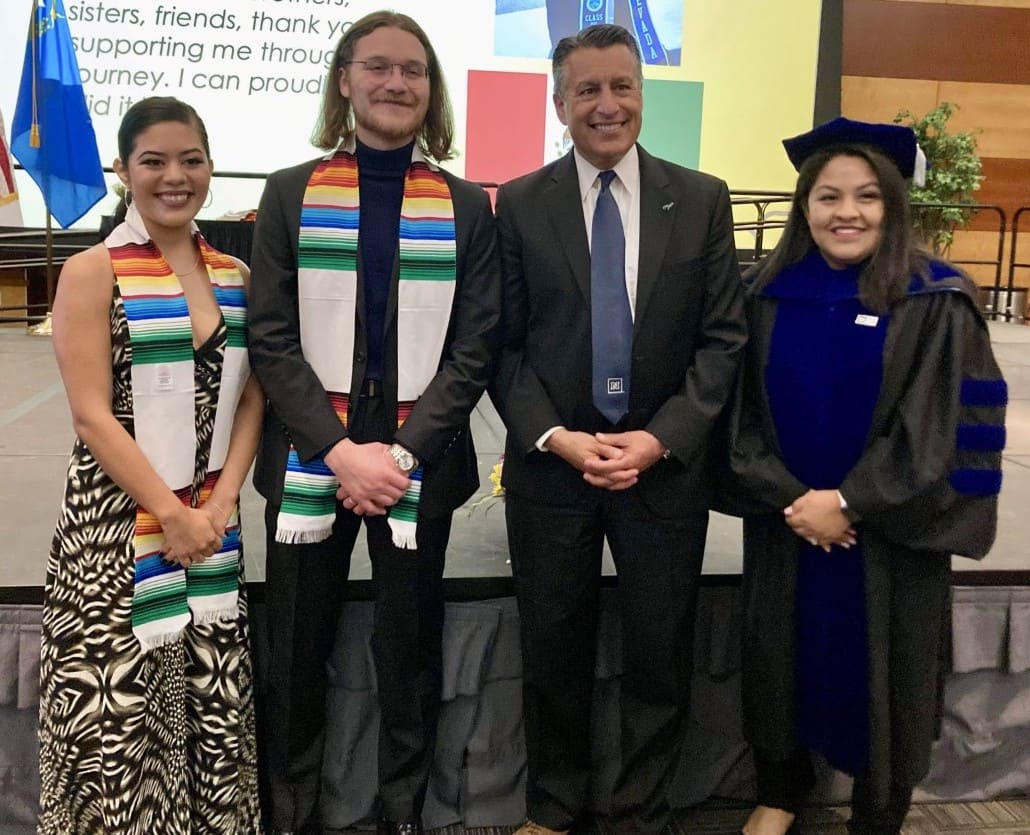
pixel 867 320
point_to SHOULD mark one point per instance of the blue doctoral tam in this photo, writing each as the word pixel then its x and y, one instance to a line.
pixel 897 142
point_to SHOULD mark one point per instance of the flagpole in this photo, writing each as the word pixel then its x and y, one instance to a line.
pixel 46 327
pixel 51 281
pixel 52 133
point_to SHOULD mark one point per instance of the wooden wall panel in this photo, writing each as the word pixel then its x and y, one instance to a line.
pixel 1009 4
pixel 974 54
pixel 999 112
pixel 879 99
pixel 1006 182
pixel 983 246
pixel 897 39
pixel 914 54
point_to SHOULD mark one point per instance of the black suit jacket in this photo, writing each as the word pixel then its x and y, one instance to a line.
pixel 438 429
pixel 689 328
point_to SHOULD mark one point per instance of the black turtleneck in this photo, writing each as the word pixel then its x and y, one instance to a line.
pixel 381 185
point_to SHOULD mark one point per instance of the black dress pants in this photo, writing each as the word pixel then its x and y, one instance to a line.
pixel 556 560
pixel 784 784
pixel 304 592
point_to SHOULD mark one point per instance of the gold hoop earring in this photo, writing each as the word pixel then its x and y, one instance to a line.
pixel 127 197
pixel 210 199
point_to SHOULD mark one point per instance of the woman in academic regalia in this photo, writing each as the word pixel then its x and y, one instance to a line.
pixel 866 447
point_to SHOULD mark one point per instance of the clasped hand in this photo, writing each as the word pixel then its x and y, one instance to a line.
pixel 817 517
pixel 611 461
pixel 370 482
pixel 192 534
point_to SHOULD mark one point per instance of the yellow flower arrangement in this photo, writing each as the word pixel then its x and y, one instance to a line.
pixel 495 479
pixel 496 491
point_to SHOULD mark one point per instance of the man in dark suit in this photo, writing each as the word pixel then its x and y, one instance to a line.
pixel 374 321
pixel 624 327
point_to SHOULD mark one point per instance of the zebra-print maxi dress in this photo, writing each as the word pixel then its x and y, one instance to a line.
pixel 159 743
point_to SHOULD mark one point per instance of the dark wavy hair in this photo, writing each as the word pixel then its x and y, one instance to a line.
pixel 898 255
pixel 336 121
pixel 144 114
pixel 600 36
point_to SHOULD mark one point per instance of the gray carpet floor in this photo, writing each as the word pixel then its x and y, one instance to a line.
pixel 1000 817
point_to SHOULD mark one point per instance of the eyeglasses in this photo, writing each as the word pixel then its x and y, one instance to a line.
pixel 381 68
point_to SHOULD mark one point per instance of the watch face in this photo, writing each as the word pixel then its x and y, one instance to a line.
pixel 405 460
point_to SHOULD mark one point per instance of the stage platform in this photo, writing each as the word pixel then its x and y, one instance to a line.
pixel 36 437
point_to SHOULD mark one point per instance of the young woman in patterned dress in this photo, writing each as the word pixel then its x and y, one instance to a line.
pixel 146 711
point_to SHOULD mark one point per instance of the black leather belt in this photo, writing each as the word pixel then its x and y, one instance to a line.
pixel 372 388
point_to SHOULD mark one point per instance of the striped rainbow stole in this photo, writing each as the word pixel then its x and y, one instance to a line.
pixel 327 293
pixel 166 597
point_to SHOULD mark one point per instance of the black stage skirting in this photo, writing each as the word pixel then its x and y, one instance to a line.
pixel 479 774
pixel 25 250
pixel 230 236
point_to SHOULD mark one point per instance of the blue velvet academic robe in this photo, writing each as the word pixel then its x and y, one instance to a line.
pixel 823 378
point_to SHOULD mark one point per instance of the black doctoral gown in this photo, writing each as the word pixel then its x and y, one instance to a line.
pixel 923 479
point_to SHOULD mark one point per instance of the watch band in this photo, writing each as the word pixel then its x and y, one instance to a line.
pixel 407 461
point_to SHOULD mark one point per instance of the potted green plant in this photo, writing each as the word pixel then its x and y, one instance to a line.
pixel 953 173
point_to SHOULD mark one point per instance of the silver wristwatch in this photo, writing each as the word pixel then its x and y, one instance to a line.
pixel 406 462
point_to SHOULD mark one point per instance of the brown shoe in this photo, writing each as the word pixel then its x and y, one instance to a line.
pixel 768 820
pixel 532 828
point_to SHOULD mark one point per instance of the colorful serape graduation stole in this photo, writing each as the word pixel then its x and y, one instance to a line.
pixel 166 596
pixel 327 281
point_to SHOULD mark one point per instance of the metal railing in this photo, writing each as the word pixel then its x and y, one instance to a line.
pixel 1011 292
pixel 17 252
pixel 764 203
pixel 761 201
pixel 989 308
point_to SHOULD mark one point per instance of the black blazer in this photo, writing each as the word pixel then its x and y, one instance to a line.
pixel 689 328
pixel 438 429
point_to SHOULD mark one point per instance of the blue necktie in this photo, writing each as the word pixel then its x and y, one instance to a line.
pixel 611 323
